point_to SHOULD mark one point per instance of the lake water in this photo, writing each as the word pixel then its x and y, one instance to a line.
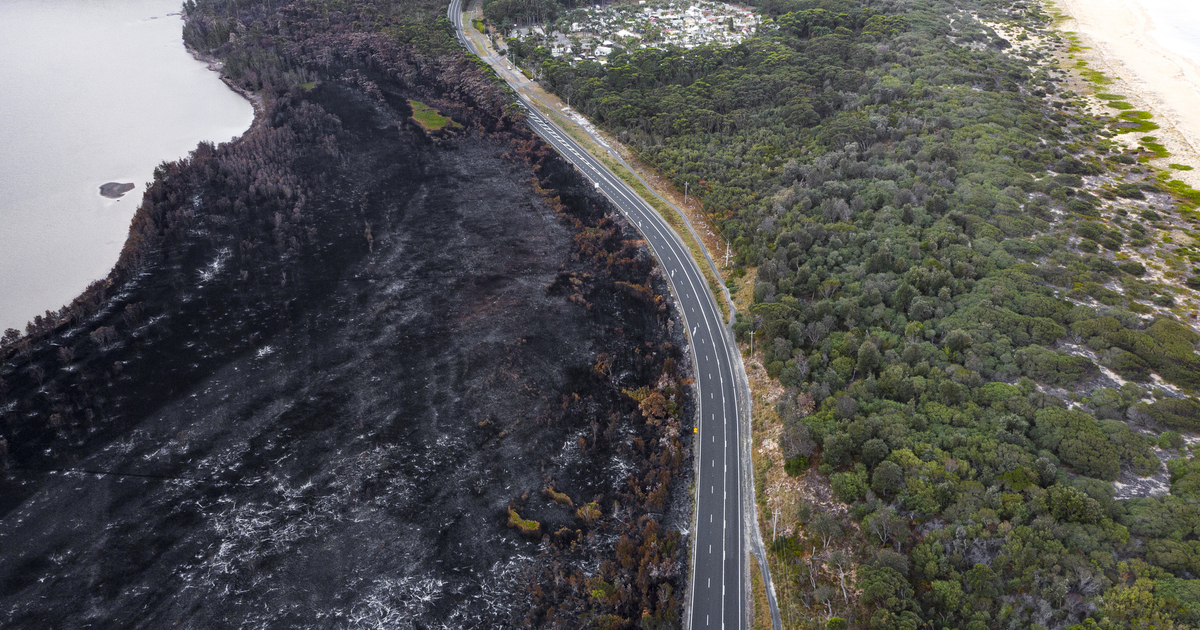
pixel 94 91
pixel 1176 25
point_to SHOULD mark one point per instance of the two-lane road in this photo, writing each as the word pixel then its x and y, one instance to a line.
pixel 717 593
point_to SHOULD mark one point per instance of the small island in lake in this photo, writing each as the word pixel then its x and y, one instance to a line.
pixel 115 190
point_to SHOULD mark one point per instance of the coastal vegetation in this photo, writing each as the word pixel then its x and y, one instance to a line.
pixel 974 313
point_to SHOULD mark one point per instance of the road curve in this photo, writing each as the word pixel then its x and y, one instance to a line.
pixel 717 593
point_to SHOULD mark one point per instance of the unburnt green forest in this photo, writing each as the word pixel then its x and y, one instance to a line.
pixel 973 298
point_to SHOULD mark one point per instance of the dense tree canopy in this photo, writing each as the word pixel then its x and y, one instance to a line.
pixel 942 288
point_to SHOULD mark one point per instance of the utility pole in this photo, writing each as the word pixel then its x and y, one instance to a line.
pixel 726 253
pixel 685 191
pixel 751 344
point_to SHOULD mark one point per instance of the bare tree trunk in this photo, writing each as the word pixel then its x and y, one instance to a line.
pixel 842 577
pixel 812 570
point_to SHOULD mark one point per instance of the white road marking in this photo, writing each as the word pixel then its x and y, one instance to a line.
pixel 640 210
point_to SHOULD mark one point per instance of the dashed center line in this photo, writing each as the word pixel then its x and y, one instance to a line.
pixel 613 190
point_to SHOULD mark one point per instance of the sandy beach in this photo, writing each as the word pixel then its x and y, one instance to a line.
pixel 1154 78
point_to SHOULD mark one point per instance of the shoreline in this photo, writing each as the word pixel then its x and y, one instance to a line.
pixel 84 249
pixel 1117 41
pixel 216 65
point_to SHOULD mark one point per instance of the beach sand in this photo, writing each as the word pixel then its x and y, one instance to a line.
pixel 1153 78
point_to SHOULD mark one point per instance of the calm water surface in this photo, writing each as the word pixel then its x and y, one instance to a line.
pixel 1176 25
pixel 93 91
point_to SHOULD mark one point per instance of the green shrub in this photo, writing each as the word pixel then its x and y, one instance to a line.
pixel 1133 268
pixel 794 466
pixel 1078 441
pixel 849 486
pixel 1129 191
pixel 1177 413
pixel 1170 440
pixel 1053 367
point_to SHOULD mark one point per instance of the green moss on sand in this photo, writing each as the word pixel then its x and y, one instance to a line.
pixel 1135 121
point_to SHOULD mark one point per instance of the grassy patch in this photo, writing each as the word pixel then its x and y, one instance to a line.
pixel 1180 167
pixel 526 526
pixel 1135 121
pixel 308 86
pixel 558 497
pixel 762 609
pixel 1150 143
pixel 429 118
pixel 1188 195
pixel 1115 101
pixel 1094 76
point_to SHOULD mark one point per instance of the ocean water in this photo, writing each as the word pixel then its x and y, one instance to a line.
pixel 94 91
pixel 1176 25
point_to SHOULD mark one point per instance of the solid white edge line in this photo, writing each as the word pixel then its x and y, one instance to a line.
pixel 672 243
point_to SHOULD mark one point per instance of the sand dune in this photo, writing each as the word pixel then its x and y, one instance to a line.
pixel 1153 78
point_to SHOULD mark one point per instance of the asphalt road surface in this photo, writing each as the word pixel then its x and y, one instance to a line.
pixel 716 598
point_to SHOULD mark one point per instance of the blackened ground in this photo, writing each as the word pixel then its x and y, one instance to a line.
pixel 339 448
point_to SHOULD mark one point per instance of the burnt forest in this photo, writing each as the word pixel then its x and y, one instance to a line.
pixel 384 361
